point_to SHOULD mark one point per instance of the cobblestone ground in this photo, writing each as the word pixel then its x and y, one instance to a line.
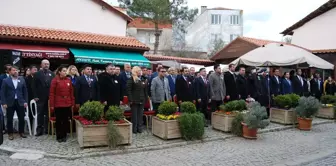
pixel 269 149
pixel 328 161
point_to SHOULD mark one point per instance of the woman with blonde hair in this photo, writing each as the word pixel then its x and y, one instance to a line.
pixel 137 96
pixel 72 73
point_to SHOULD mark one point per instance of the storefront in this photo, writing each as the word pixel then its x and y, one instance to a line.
pixel 25 55
pixel 90 56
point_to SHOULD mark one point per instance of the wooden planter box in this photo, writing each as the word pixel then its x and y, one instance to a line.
pixel 283 116
pixel 221 121
pixel 326 112
pixel 96 135
pixel 165 129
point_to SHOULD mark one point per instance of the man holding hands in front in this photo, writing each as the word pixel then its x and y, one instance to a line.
pixel 14 97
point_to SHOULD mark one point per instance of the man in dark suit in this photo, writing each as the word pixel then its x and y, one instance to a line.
pixel 286 84
pixel 14 97
pixel 124 76
pixel 264 98
pixel 316 86
pixel 29 81
pixel 172 79
pixel 40 88
pixel 242 84
pixel 298 83
pixel 184 87
pixel 87 88
pixel 110 87
pixel 2 77
pixel 230 83
pixel 275 83
pixel 202 88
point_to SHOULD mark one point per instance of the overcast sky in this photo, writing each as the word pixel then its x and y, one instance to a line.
pixel 263 19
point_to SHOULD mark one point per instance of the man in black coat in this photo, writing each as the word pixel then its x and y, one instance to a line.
pixel 265 91
pixel 242 84
pixel 184 87
pixel 298 83
pixel 230 83
pixel 29 81
pixel 202 88
pixel 254 85
pixel 110 87
pixel 40 88
pixel 87 88
pixel 2 77
pixel 316 86
pixel 275 83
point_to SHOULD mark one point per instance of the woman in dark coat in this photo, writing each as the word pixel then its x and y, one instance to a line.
pixel 330 87
pixel 137 97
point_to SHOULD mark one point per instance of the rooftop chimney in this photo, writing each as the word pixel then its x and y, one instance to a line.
pixel 203 9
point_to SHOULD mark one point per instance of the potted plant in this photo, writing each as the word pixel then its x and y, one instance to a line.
pixel 307 108
pixel 118 126
pixel 222 119
pixel 165 124
pixel 254 119
pixel 191 125
pixel 90 125
pixel 283 112
pixel 95 130
pixel 327 109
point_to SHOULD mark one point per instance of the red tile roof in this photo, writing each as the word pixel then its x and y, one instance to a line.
pixel 114 9
pixel 253 41
pixel 319 11
pixel 140 23
pixel 70 37
pixel 324 51
pixel 152 57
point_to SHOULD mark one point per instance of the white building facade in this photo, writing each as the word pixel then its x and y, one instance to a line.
pixel 213 25
pixel 317 34
pixel 92 16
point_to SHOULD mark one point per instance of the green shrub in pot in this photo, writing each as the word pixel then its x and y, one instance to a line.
pixel 308 107
pixel 256 117
pixel 92 110
pixel 114 113
pixel 294 99
pixel 328 99
pixel 283 101
pixel 188 107
pixel 167 108
pixel 191 125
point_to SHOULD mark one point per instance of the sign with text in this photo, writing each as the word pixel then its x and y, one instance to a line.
pixel 114 62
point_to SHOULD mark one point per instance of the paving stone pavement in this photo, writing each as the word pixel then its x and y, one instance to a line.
pixel 273 148
pixel 144 141
pixel 327 161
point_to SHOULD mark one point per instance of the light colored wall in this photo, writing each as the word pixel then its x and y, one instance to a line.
pixel 199 32
pixel 73 15
pixel 319 33
pixel 145 36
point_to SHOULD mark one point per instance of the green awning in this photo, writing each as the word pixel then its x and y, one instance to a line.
pixel 114 57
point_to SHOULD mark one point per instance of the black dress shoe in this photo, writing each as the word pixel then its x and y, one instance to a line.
pixel 39 134
pixel 59 140
pixel 134 132
pixel 64 139
pixel 22 135
pixel 139 131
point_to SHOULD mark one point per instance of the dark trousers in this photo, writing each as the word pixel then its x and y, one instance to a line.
pixel 137 114
pixel 20 113
pixel 62 121
pixel 156 107
pixel 215 106
pixel 203 107
pixel 42 116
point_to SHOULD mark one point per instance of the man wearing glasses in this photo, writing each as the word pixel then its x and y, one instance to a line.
pixel 160 90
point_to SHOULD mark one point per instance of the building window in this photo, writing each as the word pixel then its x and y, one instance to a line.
pixel 234 20
pixel 216 19
pixel 214 37
pixel 152 38
pixel 233 36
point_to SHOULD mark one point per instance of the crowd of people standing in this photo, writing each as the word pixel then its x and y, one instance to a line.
pixel 67 89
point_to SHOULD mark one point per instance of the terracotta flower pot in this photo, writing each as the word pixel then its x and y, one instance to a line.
pixel 305 123
pixel 249 133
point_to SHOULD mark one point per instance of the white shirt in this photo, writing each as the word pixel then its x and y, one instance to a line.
pixel 301 80
pixel 276 77
pixel 15 82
